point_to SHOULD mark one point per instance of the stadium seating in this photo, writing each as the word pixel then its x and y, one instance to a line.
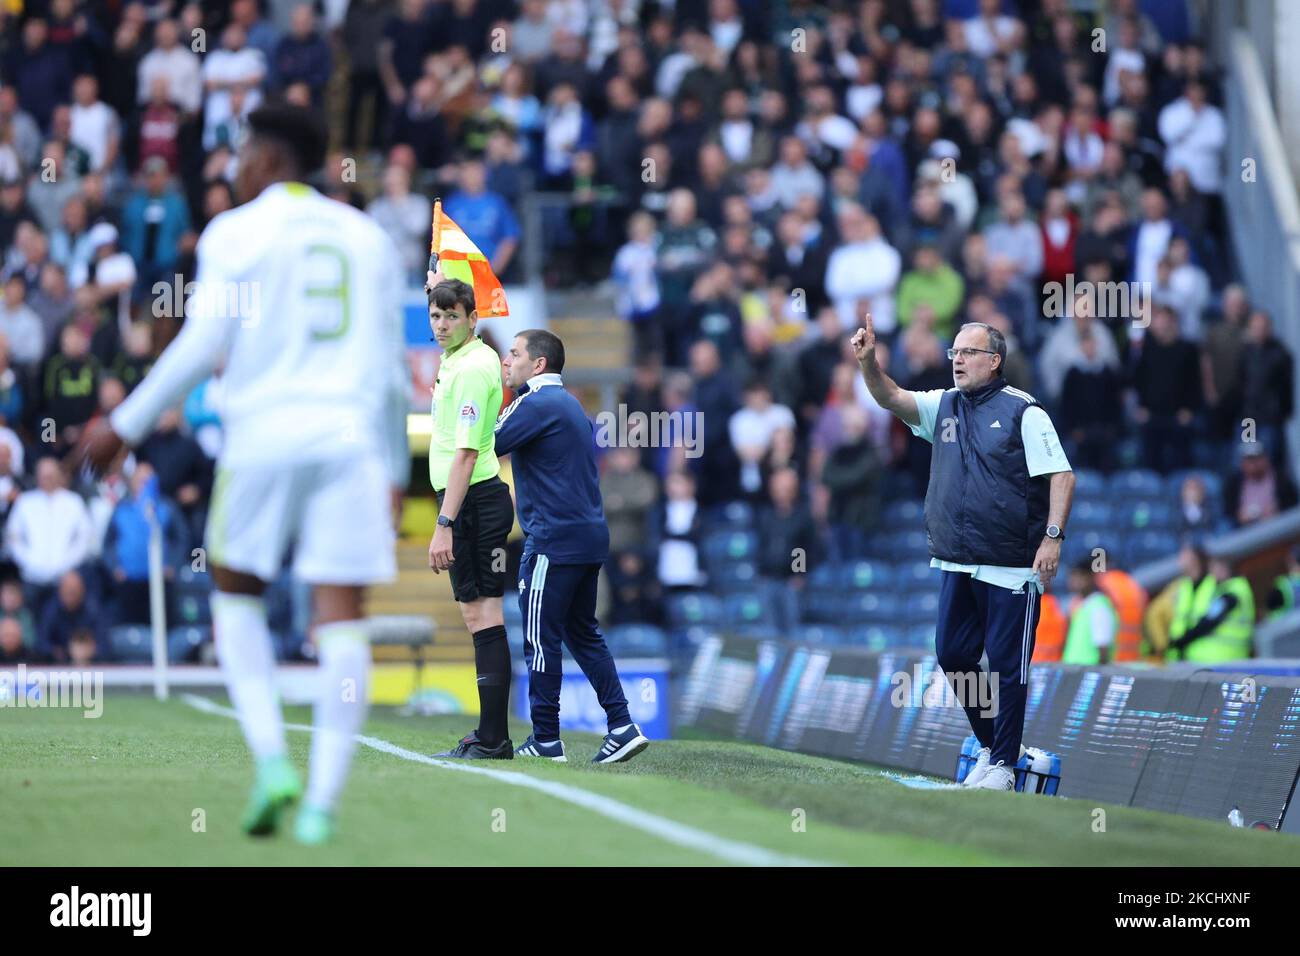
pixel 865 574
pixel 820 634
pixel 637 640
pixel 748 609
pixel 727 577
pixel 1125 485
pixel 694 608
pixel 130 644
pixel 183 643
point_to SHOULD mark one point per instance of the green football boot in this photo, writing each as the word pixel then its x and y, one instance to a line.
pixel 314 826
pixel 277 786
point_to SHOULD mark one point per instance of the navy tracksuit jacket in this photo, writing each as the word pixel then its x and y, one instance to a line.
pixel 566 540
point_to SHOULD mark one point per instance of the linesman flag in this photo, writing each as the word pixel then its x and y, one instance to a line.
pixel 458 257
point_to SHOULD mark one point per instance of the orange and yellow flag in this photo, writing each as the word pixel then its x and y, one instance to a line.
pixel 459 258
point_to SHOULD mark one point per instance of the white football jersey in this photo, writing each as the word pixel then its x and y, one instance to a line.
pixel 297 304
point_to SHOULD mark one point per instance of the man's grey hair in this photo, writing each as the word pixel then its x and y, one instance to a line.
pixel 997 342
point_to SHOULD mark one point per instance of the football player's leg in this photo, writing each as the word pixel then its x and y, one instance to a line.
pixel 343 647
pixel 345 543
pixel 245 537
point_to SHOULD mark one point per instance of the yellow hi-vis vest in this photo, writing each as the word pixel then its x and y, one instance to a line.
pixel 1230 641
pixel 1190 604
pixel 1079 646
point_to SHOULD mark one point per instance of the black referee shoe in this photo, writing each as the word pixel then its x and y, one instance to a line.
pixel 470 748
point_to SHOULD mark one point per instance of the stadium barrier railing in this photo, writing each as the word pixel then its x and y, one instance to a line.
pixel 1180 739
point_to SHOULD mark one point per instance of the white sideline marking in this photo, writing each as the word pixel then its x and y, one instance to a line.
pixel 732 851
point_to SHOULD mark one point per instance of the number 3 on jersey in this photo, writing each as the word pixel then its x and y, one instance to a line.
pixel 328 292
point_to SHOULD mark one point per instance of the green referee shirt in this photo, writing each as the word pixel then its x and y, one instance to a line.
pixel 466 402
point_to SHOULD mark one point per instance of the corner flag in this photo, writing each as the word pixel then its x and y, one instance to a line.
pixel 461 259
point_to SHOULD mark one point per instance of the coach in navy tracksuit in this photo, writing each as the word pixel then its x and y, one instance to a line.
pixel 999 496
pixel 566 540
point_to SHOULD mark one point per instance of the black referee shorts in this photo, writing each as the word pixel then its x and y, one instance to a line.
pixel 478 541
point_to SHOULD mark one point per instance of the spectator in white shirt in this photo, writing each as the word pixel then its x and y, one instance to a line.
pixel 175 63
pixel 992 32
pixel 1125 57
pixel 1152 236
pixel 752 429
pixel 1194 134
pixel 863 272
pixel 1184 287
pixel 94 124
pixel 405 216
pixel 48 532
pixel 234 65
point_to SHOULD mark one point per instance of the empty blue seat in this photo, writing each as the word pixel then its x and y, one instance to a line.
pixel 684 641
pixel 909 545
pixel 758 632
pixel 1089 484
pixel 183 643
pixel 130 643
pixel 820 606
pixel 192 605
pixel 824 577
pixel 1083 544
pixel 917 574
pixel 723 546
pixel 820 634
pixel 695 608
pixel 1145 514
pixel 861 575
pixel 1091 515
pixel 747 609
pixel 874 637
pixel 186 575
pixel 729 576
pixel 637 640
pixel 1135 482
pixel 920 637
pixel 919 608
pixel 733 515
pixel 860 607
pixel 904 515
pixel 1144 547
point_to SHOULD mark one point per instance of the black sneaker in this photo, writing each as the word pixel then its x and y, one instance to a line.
pixel 621 746
pixel 470 748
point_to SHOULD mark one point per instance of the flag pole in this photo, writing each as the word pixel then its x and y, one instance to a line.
pixel 434 247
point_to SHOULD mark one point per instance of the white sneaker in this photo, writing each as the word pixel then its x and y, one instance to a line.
pixel 978 771
pixel 998 777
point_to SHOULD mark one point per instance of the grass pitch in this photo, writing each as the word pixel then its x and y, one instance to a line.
pixel 153 783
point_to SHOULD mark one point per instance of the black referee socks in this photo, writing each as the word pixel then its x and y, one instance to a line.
pixel 492 662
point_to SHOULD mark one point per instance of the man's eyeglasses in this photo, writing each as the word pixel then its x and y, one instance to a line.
pixel 968 353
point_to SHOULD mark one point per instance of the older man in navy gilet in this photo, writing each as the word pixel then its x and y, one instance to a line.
pixel 999 496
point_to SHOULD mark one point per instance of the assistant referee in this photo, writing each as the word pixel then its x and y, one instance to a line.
pixel 475 512
pixel 999 496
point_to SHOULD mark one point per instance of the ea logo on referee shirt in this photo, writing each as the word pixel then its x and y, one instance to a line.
pixel 469 413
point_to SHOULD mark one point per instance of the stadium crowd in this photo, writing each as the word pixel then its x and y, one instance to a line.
pixel 746 178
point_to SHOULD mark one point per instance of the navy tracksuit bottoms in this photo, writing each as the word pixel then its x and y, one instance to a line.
pixel 975 617
pixel 558 603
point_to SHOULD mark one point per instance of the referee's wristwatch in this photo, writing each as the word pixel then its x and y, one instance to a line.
pixel 1055 533
pixel 445 522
